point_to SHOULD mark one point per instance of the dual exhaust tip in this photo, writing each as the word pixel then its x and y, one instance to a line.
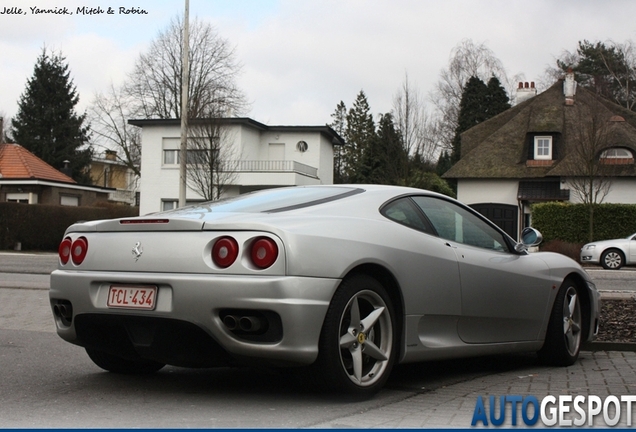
pixel 246 323
pixel 63 309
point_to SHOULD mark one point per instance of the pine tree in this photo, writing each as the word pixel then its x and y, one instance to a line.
pixel 472 111
pixel 385 161
pixel 359 134
pixel 46 123
pixel 497 99
pixel 339 124
pixel 479 103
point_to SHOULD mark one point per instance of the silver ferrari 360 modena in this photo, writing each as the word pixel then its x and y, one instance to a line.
pixel 345 280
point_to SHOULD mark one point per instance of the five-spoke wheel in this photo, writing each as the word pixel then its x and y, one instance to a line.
pixel 358 340
pixel 572 321
pixel 564 335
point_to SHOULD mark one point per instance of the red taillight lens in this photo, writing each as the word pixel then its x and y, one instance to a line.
pixel 264 252
pixel 79 250
pixel 64 251
pixel 225 251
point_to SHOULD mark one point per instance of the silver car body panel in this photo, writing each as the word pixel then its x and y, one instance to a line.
pixel 446 289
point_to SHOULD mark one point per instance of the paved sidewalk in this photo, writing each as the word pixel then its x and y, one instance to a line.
pixel 599 373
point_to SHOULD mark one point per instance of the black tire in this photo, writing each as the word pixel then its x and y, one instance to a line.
pixel 358 343
pixel 565 330
pixel 612 259
pixel 120 365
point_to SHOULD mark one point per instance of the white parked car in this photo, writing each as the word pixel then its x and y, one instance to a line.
pixel 611 254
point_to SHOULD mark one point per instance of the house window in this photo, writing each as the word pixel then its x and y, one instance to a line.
pixel 171 157
pixel 617 156
pixel 169 205
pixel 68 200
pixel 22 198
pixel 170 147
pixel 195 156
pixel 543 148
pixel 172 204
pixel 616 153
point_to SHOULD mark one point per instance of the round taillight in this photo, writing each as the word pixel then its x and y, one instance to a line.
pixel 264 252
pixel 79 248
pixel 64 251
pixel 225 251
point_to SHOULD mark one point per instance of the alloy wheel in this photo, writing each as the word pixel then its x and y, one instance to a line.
pixel 366 338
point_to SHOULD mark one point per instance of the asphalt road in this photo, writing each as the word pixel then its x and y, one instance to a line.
pixel 50 383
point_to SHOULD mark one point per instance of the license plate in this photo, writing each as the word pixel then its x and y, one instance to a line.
pixel 132 297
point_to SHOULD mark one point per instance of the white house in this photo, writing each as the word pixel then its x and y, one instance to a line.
pixel 531 152
pixel 266 157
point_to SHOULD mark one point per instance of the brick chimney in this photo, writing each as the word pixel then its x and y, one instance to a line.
pixel 110 155
pixel 569 87
pixel 525 91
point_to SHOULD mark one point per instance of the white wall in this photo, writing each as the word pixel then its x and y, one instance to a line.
pixel 622 191
pixel 488 191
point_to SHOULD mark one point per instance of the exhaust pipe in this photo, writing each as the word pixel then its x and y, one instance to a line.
pixel 64 310
pixel 231 322
pixel 250 324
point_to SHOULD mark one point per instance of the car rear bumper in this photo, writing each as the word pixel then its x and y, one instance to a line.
pixel 288 313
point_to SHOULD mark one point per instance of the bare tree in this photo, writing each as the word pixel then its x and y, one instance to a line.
pixel 4 127
pixel 590 176
pixel 467 59
pixel 413 122
pixel 553 73
pixel 109 114
pixel 212 158
pixel 155 82
pixel 153 89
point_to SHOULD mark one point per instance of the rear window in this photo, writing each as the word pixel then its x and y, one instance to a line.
pixel 271 200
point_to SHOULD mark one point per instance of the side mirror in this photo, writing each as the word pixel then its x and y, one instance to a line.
pixel 529 237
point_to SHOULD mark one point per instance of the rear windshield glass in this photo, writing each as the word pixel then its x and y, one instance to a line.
pixel 271 200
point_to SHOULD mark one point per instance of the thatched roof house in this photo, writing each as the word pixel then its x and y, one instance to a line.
pixel 534 151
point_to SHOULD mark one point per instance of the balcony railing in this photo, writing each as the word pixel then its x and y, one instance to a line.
pixel 273 166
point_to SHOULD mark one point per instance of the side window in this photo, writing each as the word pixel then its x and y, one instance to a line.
pixel 455 223
pixel 404 212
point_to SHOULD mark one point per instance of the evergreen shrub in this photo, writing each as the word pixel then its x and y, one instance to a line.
pixel 41 227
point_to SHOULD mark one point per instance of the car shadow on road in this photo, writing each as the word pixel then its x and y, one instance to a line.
pixel 430 375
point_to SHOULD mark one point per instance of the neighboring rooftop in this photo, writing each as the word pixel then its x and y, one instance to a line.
pixel 17 163
pixel 499 147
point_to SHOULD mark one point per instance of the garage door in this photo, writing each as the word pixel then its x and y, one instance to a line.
pixel 503 215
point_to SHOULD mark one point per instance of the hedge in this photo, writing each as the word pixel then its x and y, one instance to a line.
pixel 570 222
pixel 41 227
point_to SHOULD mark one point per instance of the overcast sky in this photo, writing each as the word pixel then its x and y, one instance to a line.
pixel 301 57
